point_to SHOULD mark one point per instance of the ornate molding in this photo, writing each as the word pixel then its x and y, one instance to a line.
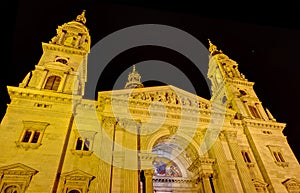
pixel 41 95
pixel 18 175
pixel 68 50
pixel 202 164
pixel 81 153
pixel 264 124
pixel 230 135
pixel 292 184
pixel 240 82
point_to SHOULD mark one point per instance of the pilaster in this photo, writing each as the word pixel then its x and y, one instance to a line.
pixel 243 171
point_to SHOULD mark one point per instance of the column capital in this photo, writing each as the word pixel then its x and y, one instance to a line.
pixel 148 172
pixel 231 135
pixel 147 160
pixel 201 164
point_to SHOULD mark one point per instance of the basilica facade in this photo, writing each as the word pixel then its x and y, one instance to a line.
pixel 138 139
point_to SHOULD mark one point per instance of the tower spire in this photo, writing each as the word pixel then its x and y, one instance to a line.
pixel 81 18
pixel 213 48
pixel 134 79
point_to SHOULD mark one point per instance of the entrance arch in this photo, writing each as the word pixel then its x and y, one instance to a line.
pixel 171 165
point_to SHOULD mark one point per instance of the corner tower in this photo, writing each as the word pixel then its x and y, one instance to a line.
pixel 271 162
pixel 37 125
pixel 63 65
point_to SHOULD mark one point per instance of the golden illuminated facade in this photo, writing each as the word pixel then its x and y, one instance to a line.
pixel 138 139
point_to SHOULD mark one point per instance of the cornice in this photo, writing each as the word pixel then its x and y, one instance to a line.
pixel 239 81
pixel 41 95
pixel 263 124
pixel 67 50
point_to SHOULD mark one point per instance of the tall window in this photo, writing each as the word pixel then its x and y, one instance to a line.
pixel 278 156
pixel 82 144
pixel 31 136
pixel 254 111
pixel 52 83
pixel 12 189
pixel 246 156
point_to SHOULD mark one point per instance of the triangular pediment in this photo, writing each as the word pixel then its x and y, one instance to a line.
pixel 290 181
pixel 78 173
pixel 259 183
pixel 167 95
pixel 17 167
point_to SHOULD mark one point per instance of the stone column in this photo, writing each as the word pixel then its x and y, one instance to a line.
pixel 148 180
pixel 205 168
pixel 78 41
pixel 42 80
pixel 146 160
pixel 261 111
pixel 62 83
pixel 241 107
pixel 118 159
pixel 224 175
pixel 62 35
pixel 206 184
pixel 249 113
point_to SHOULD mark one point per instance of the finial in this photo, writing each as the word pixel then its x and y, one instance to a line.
pixel 212 47
pixel 133 70
pixel 81 18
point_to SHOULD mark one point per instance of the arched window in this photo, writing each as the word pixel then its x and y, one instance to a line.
pixel 12 189
pixel 74 191
pixel 254 111
pixel 52 83
pixel 242 92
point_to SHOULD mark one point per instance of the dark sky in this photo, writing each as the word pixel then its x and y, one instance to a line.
pixel 264 41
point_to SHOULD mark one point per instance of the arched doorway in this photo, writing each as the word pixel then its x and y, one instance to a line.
pixel 170 167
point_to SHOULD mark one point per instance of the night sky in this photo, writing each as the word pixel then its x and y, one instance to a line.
pixel 263 41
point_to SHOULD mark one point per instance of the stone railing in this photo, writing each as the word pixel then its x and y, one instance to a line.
pixel 161 181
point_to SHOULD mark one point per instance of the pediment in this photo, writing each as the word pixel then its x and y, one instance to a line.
pixel 259 183
pixel 58 66
pixel 18 168
pixel 290 181
pixel 78 174
pixel 166 95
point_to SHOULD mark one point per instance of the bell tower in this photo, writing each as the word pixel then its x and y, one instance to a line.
pixel 264 147
pixel 239 92
pixel 63 66
pixel 37 126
